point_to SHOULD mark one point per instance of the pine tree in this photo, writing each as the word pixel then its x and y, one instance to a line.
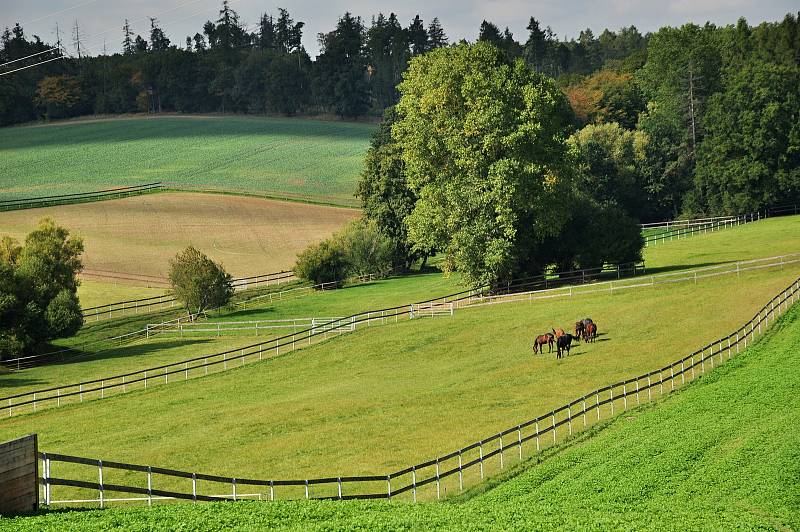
pixel 127 41
pixel 436 35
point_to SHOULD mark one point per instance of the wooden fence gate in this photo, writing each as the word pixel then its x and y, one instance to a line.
pixel 19 472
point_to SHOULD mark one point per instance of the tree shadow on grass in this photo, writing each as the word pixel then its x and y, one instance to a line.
pixel 678 267
pixel 76 356
pixel 8 383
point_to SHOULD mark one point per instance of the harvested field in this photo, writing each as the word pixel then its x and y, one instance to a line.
pixel 136 237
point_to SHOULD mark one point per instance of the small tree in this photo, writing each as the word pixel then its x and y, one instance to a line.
pixel 199 282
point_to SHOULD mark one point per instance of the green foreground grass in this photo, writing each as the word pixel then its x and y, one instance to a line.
pixel 292 158
pixel 721 454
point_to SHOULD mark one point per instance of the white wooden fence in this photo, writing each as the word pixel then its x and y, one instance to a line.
pixel 199 366
pixel 434 478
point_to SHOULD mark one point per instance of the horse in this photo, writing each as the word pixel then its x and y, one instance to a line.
pixel 590 333
pixel 563 343
pixel 558 333
pixel 541 340
pixel 580 327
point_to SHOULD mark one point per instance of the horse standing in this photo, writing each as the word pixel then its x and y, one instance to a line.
pixel 563 343
pixel 541 340
pixel 580 327
pixel 590 332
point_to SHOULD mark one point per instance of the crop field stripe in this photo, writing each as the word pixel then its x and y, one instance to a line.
pixel 288 341
pixel 784 300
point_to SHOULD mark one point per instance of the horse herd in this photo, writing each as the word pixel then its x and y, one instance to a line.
pixel 585 330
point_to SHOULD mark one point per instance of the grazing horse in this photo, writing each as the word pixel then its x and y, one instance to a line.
pixel 580 327
pixel 541 340
pixel 590 332
pixel 563 343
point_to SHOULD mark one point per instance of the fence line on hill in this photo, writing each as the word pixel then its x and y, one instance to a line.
pixel 135 306
pixel 66 199
pixel 486 455
pixel 199 366
pixel 683 228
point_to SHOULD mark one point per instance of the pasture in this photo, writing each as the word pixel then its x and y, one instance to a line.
pixel 385 397
pixel 285 158
pixel 139 235
pixel 701 458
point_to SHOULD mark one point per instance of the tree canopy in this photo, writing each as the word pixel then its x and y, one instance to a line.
pixel 38 289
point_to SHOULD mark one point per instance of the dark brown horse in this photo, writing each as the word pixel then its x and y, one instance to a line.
pixel 579 329
pixel 541 340
pixel 563 343
pixel 590 332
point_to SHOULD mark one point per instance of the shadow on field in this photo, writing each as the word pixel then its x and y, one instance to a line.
pixel 676 267
pixel 7 383
pixel 171 127
pixel 77 356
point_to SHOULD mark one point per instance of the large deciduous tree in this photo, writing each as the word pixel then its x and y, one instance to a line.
pixel 750 157
pixel 482 140
pixel 38 285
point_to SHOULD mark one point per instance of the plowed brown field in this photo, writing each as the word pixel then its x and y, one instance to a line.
pixel 136 237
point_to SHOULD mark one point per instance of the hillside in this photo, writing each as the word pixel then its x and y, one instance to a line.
pixel 291 158
pixel 715 455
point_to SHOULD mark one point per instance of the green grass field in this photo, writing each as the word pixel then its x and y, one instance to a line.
pixel 292 158
pixel 720 454
pixel 92 293
pixel 757 240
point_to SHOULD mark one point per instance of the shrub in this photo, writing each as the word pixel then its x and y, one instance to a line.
pixel 321 263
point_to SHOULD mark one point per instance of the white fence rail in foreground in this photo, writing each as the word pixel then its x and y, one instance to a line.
pixel 434 478
pixel 199 366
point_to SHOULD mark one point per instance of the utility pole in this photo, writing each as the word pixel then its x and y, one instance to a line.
pixel 691 109
pixel 76 38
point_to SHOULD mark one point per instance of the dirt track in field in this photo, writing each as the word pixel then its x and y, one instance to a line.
pixel 138 235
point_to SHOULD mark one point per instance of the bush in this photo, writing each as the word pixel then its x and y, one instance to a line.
pixel 358 249
pixel 321 263
pixel 199 282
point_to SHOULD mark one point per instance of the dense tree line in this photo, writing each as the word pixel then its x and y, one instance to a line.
pixel 683 121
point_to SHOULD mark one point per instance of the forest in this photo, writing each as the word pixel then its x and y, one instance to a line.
pixel 695 120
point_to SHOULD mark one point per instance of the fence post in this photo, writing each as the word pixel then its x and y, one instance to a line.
pixel 194 487
pixel 661 382
pixel 340 487
pixel 149 486
pixel 537 437
pixel 100 474
pixel 569 419
pixel 597 404
pixel 389 487
pixel 460 473
pixel 414 482
pixel 306 488
pixel 480 457
pixel 437 477
pixel 672 375
pixel 233 484
pixel 637 391
pixel 584 411
pixel 272 490
pixel 624 396
pixel 612 400
pixel 519 441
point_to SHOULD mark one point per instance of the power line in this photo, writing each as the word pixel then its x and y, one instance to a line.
pixel 31 66
pixel 29 56
pixel 58 12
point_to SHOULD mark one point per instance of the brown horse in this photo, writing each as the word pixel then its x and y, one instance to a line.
pixel 579 329
pixel 558 333
pixel 541 340
pixel 590 332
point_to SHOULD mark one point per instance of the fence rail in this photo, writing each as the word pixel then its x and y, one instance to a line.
pixel 469 464
pixel 136 306
pixel 200 366
pixel 65 199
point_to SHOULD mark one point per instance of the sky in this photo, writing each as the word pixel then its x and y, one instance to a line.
pixel 100 21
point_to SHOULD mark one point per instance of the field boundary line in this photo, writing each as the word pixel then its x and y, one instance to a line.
pixel 485 455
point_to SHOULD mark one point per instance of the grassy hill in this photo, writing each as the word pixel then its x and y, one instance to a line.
pixel 294 158
pixel 720 454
